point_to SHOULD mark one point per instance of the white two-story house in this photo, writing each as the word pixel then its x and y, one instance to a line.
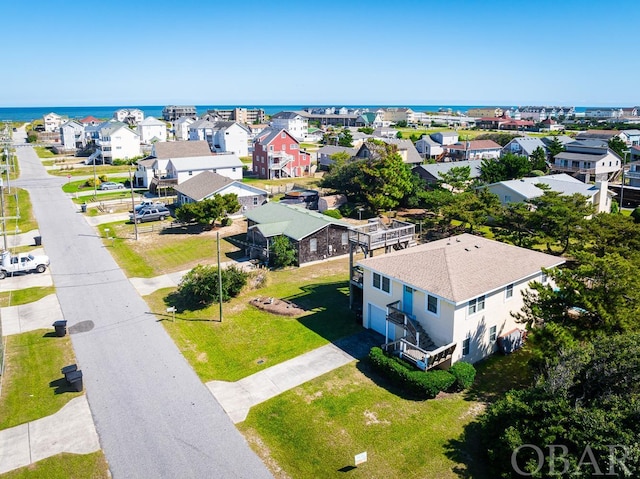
pixel 454 295
pixel 230 137
pixel 296 124
pixel 152 130
pixel 116 141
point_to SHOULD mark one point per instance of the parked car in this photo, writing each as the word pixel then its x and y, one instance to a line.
pixel 150 214
pixel 148 204
pixel 110 185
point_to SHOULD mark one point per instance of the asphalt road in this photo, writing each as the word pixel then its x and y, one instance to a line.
pixel 154 417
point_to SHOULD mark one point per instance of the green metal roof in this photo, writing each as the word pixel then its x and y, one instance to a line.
pixel 290 220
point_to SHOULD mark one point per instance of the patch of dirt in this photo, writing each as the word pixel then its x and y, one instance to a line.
pixel 371 418
pixel 277 306
pixel 474 410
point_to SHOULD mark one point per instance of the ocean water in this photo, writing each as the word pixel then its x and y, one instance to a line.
pixel 106 112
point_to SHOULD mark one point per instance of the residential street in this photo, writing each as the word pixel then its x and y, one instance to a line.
pixel 154 416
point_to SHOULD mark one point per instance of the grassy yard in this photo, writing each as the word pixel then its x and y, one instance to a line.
pixel 24 296
pixel 81 185
pixel 44 152
pixel 88 170
pixel 352 410
pixel 307 181
pixel 65 466
pixel 32 386
pixel 167 251
pixel 26 222
pixel 249 339
pixel 463 134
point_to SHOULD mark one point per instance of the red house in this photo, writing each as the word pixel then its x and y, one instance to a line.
pixel 277 154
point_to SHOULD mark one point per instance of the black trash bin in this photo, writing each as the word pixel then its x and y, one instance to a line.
pixel 38 240
pixel 72 368
pixel 74 379
pixel 83 207
pixel 60 327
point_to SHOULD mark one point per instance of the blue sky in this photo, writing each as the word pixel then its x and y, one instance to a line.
pixel 420 52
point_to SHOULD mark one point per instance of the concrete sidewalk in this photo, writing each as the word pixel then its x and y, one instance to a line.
pixel 69 430
pixel 31 316
pixel 22 239
pixel 239 397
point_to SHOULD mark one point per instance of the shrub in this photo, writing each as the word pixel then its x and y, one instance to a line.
pixel 200 285
pixel 226 221
pixel 347 209
pixel 103 178
pixel 333 214
pixel 426 384
pixel 464 373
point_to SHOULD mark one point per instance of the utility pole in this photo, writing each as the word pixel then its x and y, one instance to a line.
pixel 219 274
pixel 133 207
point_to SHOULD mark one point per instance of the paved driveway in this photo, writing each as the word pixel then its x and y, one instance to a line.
pixel 154 416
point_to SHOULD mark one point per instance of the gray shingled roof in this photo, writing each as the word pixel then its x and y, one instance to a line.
pixel 444 167
pixel 181 149
pixel 285 115
pixel 462 267
pixel 202 185
pixel 206 162
pixel 290 220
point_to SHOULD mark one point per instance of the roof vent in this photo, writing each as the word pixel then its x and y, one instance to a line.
pixel 478 247
pixel 467 249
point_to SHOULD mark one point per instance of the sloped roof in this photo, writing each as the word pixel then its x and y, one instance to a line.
pixel 474 145
pixel 199 124
pixel 443 167
pixel 332 149
pixel 597 134
pixel 90 119
pixel 462 267
pixel 181 149
pixel 562 183
pixel 202 185
pixel 151 121
pixel 110 127
pixel 285 115
pixel 528 144
pixel 274 219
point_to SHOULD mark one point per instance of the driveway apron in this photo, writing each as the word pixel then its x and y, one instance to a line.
pixel 154 416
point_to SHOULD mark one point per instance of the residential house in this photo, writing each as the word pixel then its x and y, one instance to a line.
pixel 374 149
pixel 296 124
pixel 72 135
pixel 384 132
pixel 605 135
pixel 635 153
pixel 503 123
pixel 524 146
pixel 429 148
pixel 90 121
pixel 534 113
pixel 445 137
pixel 487 111
pixel 325 153
pixel 315 236
pixel 173 112
pixel 631 137
pixel 455 295
pixel 394 115
pixel 587 159
pixel 474 150
pixel 154 169
pixel 277 154
pixel 230 137
pixel 181 128
pixel 182 169
pixel 603 113
pixel 152 130
pixel 130 116
pixel 370 119
pixel 430 172
pixel 52 122
pixel 551 125
pixel 525 189
pixel 330 119
pixel 202 130
pixel 116 141
pixel 208 184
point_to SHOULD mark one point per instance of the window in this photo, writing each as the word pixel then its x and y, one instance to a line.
pixel 255 201
pixel 232 169
pixel 466 344
pixel 270 147
pixel 381 282
pixel 283 135
pixel 293 146
pixel 432 304
pixel 313 245
pixel 492 334
pixel 544 278
pixel 476 305
pixel 345 239
pixel 191 173
pixel 507 198
pixel 509 291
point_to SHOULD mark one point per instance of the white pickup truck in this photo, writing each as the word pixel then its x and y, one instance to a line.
pixel 148 204
pixel 22 263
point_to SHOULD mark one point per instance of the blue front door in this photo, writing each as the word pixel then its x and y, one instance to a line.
pixel 407 300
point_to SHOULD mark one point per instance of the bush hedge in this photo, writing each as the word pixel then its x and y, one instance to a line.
pixel 333 214
pixel 425 384
pixel 464 373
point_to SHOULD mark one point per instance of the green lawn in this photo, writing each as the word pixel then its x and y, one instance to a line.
pixel 65 466
pixel 249 339
pixel 44 152
pixel 88 170
pixel 32 386
pixel 164 252
pixel 315 429
pixel 24 296
pixel 81 186
pixel 26 222
pixel 307 181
